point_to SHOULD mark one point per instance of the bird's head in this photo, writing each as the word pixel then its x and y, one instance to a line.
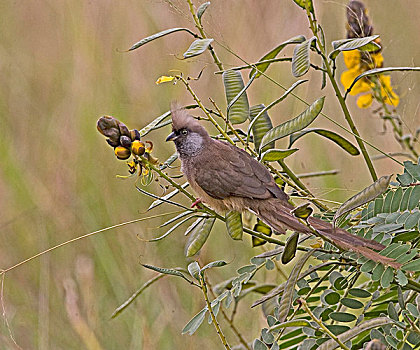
pixel 187 133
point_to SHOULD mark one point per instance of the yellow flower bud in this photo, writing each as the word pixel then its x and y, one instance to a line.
pixel 122 152
pixel 137 147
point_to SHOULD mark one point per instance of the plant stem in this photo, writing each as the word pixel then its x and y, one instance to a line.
pixel 204 109
pixel 229 321
pixel 321 325
pixel 213 317
pixel 203 34
pixel 347 116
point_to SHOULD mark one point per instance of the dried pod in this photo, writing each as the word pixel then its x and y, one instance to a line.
pixel 108 126
pixel 125 141
pixel 134 135
pixel 137 147
pixel 122 153
pixel 113 143
pixel 123 129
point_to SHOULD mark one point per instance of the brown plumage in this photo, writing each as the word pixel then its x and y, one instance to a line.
pixel 227 178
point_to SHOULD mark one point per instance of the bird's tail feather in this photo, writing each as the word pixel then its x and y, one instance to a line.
pixel 277 214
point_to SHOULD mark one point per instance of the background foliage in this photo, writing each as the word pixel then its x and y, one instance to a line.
pixel 60 71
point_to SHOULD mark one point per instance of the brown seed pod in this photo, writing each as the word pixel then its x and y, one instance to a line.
pixel 123 129
pixel 135 135
pixel 108 126
pixel 137 147
pixel 113 143
pixel 122 153
pixel 125 141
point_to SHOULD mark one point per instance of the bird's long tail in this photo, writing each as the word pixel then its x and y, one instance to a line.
pixel 277 214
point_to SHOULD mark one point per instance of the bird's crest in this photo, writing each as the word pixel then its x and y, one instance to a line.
pixel 181 118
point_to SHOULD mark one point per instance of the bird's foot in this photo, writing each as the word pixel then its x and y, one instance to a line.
pixel 196 204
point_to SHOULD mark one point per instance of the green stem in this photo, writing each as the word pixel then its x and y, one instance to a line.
pixel 298 182
pixel 347 116
pixel 204 109
pixel 203 34
pixel 230 322
pixel 321 325
pixel 213 317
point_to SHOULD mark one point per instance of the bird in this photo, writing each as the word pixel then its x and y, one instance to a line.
pixel 227 178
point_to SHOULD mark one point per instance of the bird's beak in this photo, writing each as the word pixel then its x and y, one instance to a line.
pixel 172 136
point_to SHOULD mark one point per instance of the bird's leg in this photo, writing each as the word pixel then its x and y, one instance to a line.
pixel 197 203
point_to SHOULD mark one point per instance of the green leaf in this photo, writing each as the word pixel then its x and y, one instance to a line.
pixel 157 36
pixel 194 270
pixel 364 44
pixel 300 60
pixel 263 111
pixel 218 263
pixel 412 309
pixel 412 220
pixel 412 266
pixel 365 196
pixel 199 237
pixel 195 322
pixel 339 140
pixel 352 303
pixel 342 316
pixel 291 323
pixel 412 169
pixel 166 197
pixel 295 124
pixel 240 93
pixel 130 300
pixel 377 272
pixel 202 9
pixel 387 277
pixel 273 53
pixel 287 297
pixel 392 313
pixel 259 126
pixel 376 71
pixel 197 47
pixel 360 293
pixel 259 345
pixel 234 84
pixel 413 202
pixel 401 278
pixel 172 229
pixel 234 224
pixel 273 155
pixel 355 331
pixel 289 251
pixel 304 3
pixel 330 297
pixel 165 271
pixel 149 127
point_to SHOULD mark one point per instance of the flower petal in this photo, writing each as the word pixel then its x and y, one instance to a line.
pixel 351 58
pixel 364 101
pixel 347 79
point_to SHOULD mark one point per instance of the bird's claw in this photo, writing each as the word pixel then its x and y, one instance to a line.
pixel 196 203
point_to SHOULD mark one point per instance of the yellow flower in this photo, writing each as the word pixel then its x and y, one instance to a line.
pixel 361 85
pixel 353 61
pixel 351 58
pixel 364 101
pixel 164 79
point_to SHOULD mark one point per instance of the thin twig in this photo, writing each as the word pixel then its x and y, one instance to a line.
pixel 213 317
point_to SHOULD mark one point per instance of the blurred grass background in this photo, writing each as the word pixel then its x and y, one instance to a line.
pixel 60 71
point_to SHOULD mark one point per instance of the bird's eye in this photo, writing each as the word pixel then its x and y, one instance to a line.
pixel 184 131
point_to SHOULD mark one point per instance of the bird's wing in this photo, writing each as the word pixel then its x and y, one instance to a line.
pixel 233 172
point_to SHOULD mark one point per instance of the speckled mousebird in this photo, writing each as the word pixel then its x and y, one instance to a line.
pixel 228 178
